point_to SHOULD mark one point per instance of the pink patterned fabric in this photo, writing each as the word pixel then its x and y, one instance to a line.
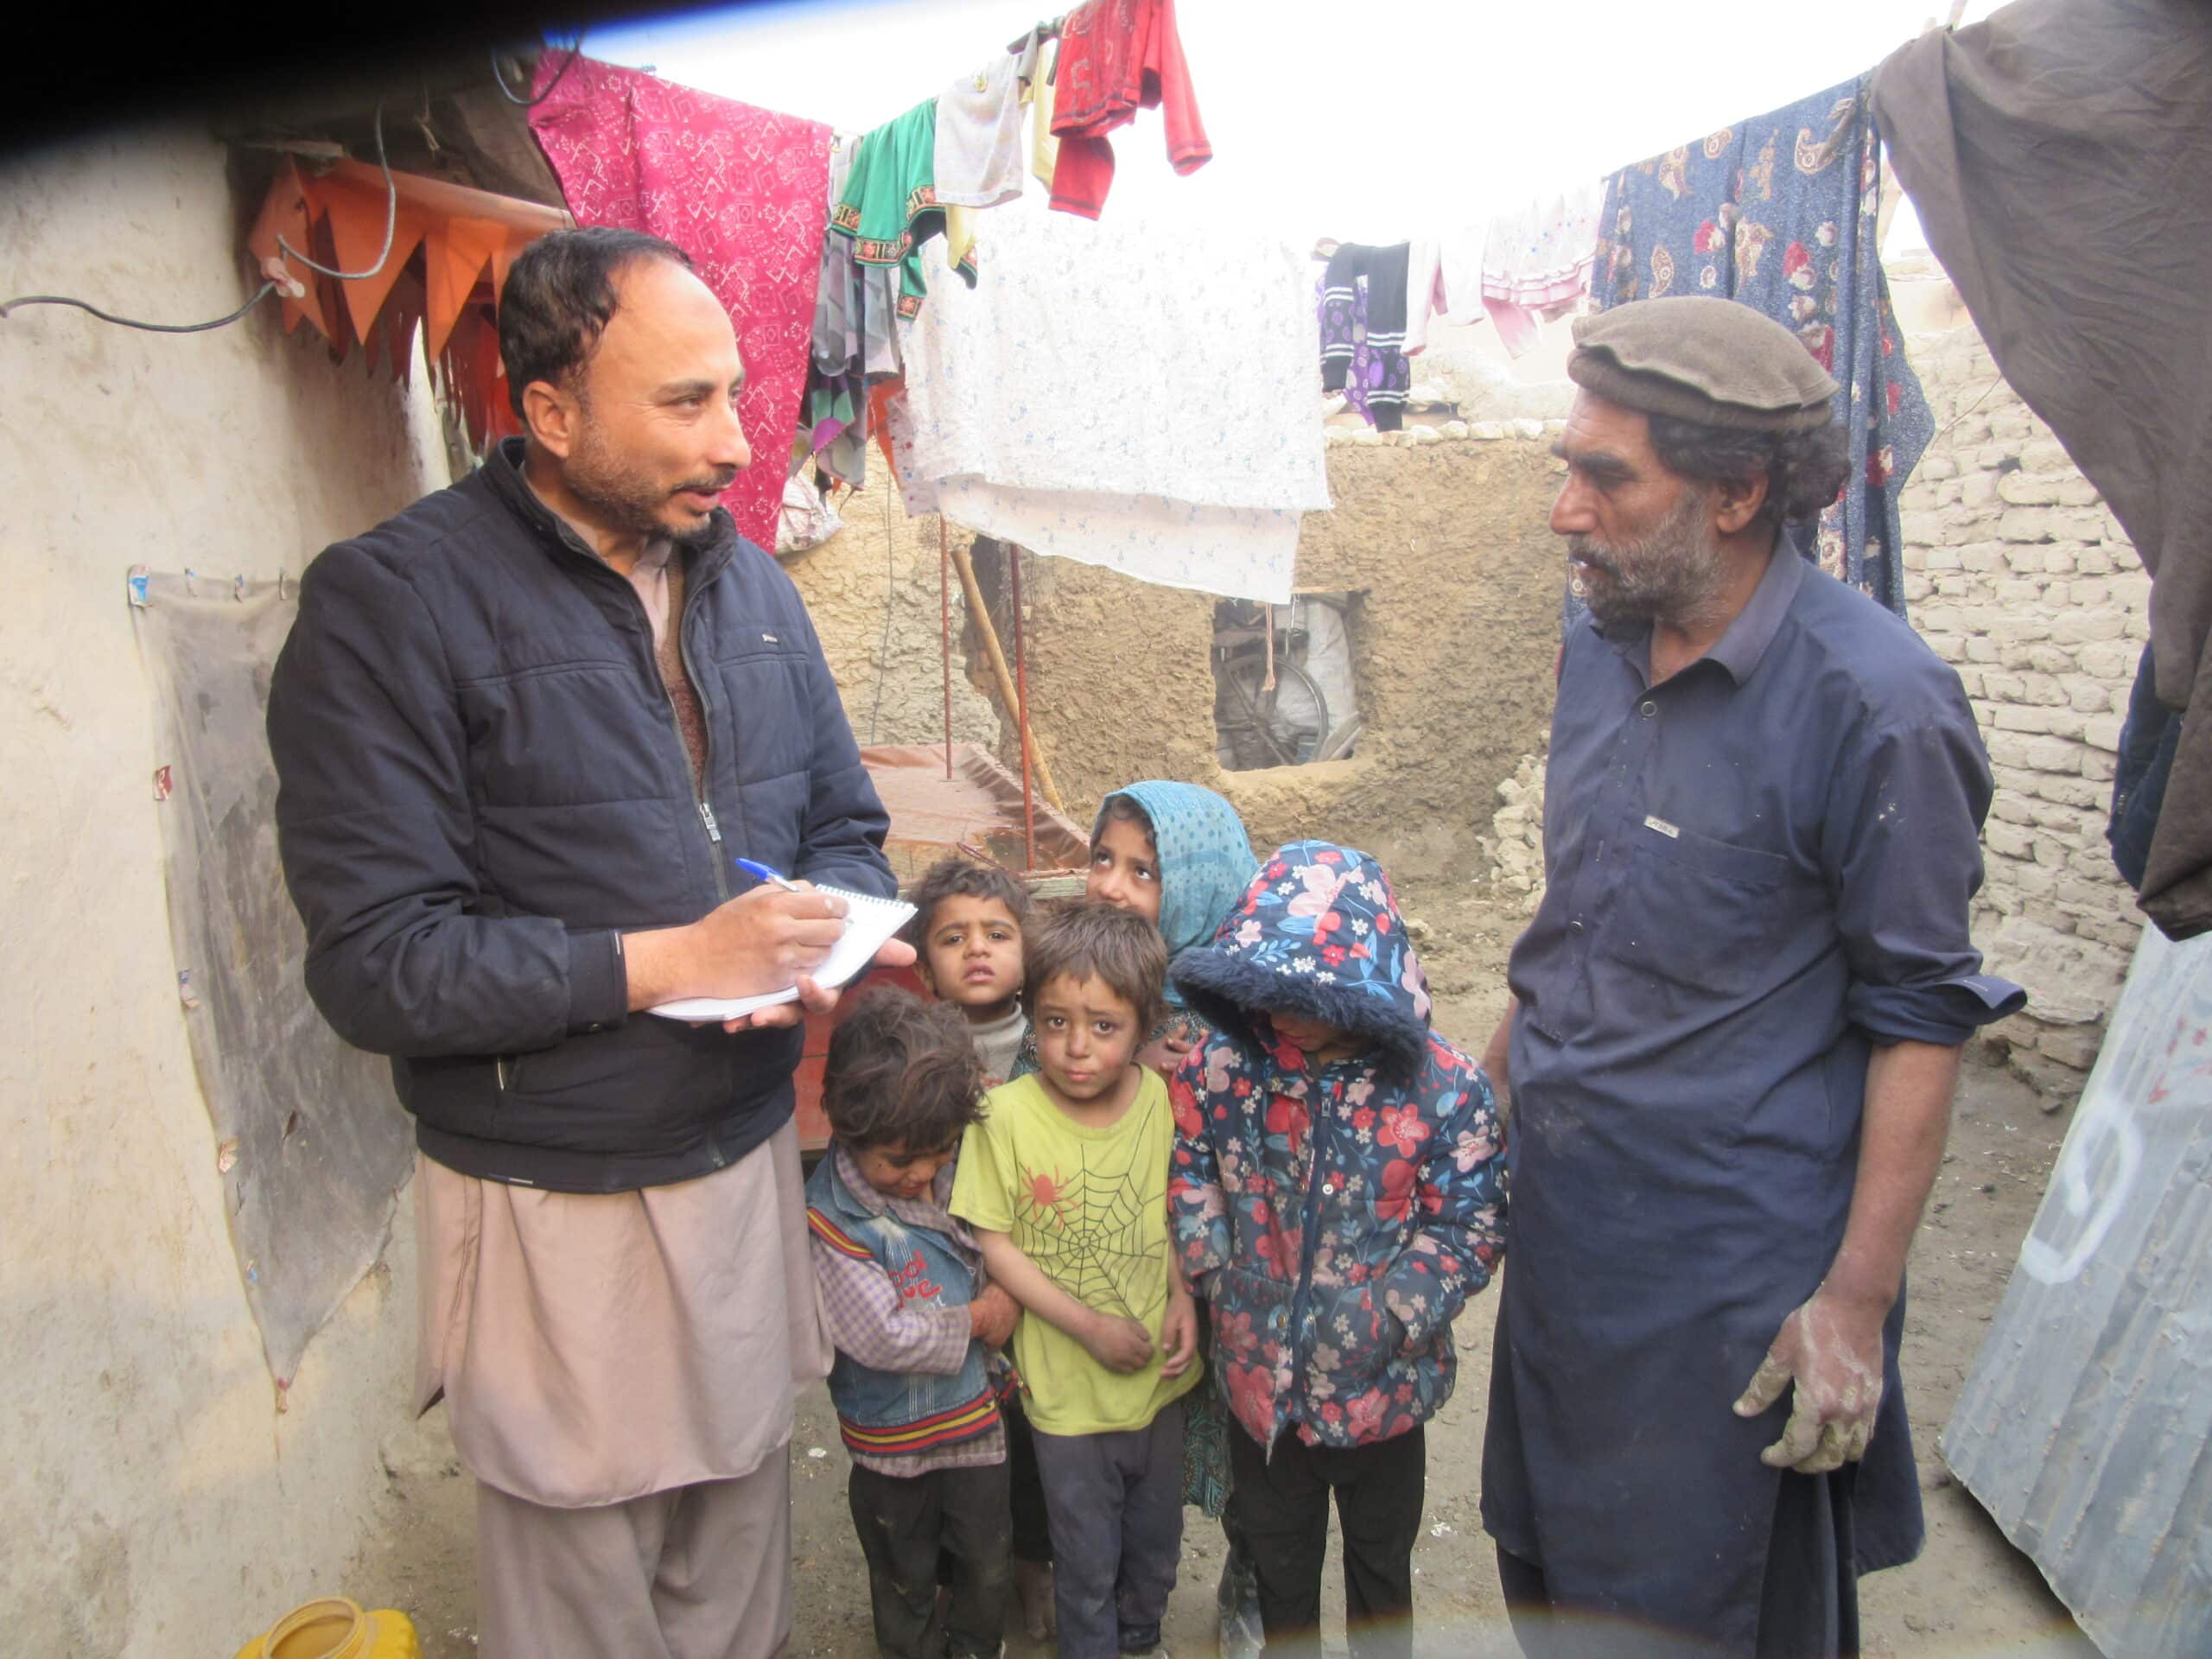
pixel 744 191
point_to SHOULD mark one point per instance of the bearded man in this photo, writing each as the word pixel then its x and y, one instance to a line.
pixel 520 731
pixel 1736 1027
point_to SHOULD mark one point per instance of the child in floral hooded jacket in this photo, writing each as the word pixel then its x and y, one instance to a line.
pixel 1336 1195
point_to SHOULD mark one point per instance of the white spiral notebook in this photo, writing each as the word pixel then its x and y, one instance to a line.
pixel 869 922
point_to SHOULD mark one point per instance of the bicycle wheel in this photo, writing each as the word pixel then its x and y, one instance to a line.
pixel 1290 720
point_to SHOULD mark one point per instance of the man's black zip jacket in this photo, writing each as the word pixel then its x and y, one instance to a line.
pixel 481 786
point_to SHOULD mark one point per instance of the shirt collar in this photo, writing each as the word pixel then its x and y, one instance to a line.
pixel 1744 642
pixel 504 464
pixel 849 1172
pixel 652 558
pixel 929 1213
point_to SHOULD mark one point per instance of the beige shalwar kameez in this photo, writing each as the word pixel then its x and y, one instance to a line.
pixel 619 1371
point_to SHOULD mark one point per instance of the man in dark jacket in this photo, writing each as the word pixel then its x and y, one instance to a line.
pixel 520 732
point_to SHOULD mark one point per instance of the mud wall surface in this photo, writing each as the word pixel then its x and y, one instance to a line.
pixel 872 592
pixel 158 1500
pixel 1455 626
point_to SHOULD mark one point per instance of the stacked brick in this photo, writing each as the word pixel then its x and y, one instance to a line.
pixel 2017 576
pixel 1514 845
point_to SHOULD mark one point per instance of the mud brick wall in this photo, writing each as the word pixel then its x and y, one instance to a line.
pixel 2018 576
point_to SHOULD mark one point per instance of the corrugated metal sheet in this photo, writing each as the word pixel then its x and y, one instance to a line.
pixel 2084 1424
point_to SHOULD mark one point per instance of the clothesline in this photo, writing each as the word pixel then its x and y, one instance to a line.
pixel 1780 212
pixel 1776 223
pixel 936 169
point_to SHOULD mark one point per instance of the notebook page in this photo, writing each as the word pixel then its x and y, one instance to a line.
pixel 869 922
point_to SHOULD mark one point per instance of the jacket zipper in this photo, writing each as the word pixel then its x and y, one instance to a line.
pixel 1301 1350
pixel 707 758
pixel 675 726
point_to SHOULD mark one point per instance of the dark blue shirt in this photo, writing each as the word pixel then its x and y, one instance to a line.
pixel 1755 870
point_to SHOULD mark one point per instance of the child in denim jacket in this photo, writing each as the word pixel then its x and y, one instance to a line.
pixel 916 1380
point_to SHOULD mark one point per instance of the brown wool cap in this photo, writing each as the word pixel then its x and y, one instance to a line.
pixel 1709 360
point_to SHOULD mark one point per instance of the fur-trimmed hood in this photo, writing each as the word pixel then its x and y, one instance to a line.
pixel 1317 935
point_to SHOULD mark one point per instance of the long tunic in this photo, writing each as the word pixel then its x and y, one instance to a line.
pixel 593 1347
pixel 1757 870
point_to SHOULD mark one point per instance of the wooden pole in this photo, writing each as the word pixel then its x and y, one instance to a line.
pixel 1000 672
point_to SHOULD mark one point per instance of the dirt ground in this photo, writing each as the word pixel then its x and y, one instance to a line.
pixel 1970 1594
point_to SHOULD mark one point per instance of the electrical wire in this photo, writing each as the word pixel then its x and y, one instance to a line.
pixel 266 289
pixel 391 219
pixel 391 229
pixel 499 75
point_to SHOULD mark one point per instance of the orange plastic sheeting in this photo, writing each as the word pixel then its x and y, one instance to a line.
pixel 463 236
pixel 980 805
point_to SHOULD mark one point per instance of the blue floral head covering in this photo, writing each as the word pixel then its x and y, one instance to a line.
pixel 1205 861
pixel 1317 935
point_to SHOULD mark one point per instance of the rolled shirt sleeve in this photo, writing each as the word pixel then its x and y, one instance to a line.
pixel 1905 816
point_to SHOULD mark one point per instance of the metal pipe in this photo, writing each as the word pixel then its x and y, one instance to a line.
pixel 1021 686
pixel 945 632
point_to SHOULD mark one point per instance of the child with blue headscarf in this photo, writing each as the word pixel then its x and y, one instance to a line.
pixel 1178 855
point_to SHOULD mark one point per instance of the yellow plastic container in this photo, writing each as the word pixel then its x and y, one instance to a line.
pixel 332 1627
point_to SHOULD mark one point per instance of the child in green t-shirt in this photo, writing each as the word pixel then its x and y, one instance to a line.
pixel 1065 1182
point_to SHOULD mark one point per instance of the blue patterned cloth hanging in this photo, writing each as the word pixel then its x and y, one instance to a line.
pixel 1779 213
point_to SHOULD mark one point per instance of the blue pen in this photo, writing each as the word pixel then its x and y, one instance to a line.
pixel 762 873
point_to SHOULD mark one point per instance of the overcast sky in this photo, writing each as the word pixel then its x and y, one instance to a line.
pixel 1367 120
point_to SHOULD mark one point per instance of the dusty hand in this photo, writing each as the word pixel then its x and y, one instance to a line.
pixel 1119 1345
pixel 991 1317
pixel 1180 1333
pixel 1831 1350
pixel 1401 1315
pixel 1167 1053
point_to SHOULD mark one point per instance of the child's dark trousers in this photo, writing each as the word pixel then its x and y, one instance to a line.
pixel 1283 1504
pixel 1116 1502
pixel 902 1522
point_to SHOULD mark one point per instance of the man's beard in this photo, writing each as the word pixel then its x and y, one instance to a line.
pixel 1673 574
pixel 624 499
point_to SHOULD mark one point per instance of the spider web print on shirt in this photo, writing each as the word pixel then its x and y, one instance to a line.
pixel 1087 1231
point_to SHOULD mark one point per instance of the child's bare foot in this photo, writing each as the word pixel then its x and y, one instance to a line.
pixel 1032 1584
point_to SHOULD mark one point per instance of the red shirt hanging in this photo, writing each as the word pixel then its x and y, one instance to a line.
pixel 1117 57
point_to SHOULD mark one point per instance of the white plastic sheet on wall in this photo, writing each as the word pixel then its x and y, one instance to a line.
pixel 308 1141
